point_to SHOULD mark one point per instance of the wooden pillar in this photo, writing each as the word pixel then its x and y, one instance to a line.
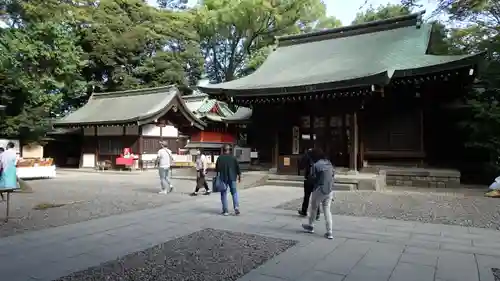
pixel 82 131
pixel 96 137
pixel 140 147
pixel 422 147
pixel 355 142
pixel 276 152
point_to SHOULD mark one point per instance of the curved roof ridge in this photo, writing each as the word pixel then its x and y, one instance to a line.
pixel 134 92
pixel 351 30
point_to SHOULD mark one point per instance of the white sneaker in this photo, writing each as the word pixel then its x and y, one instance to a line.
pixel 163 192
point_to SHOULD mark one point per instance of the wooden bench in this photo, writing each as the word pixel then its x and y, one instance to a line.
pixel 104 165
pixel 7 207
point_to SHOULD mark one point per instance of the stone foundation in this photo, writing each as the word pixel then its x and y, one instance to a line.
pixel 419 177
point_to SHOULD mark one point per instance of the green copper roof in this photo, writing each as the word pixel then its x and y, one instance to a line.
pixel 130 107
pixel 242 115
pixel 352 56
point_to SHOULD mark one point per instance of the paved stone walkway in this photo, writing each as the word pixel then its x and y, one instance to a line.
pixel 364 248
pixel 87 195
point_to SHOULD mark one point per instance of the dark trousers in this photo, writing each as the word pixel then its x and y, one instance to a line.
pixel 308 189
pixel 201 181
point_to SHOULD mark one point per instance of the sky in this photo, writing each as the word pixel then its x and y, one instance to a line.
pixel 345 10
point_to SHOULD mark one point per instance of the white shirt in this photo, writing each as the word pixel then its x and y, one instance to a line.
pixel 201 163
pixel 8 157
pixel 165 158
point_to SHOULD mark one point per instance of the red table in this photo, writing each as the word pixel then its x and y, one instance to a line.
pixel 127 162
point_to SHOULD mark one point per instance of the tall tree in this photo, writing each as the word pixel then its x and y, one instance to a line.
pixel 381 12
pixel 131 44
pixel 439 43
pixel 232 31
pixel 85 46
pixel 40 69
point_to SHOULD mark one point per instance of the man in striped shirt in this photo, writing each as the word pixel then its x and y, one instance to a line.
pixel 201 172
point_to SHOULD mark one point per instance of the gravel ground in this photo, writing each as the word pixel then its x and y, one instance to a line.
pixel 209 255
pixel 496 273
pixel 89 196
pixel 465 209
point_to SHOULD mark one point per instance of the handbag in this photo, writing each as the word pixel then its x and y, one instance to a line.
pixel 218 185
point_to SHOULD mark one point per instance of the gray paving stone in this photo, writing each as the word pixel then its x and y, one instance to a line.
pixel 469 249
pixel 422 243
pixel 300 260
pixel 434 238
pixel 421 259
pixel 253 276
pixel 63 267
pixel 344 258
pixel 420 250
pixel 400 228
pixel 364 273
pixel 412 272
pixel 18 269
pixel 316 275
pixel 381 259
pixel 491 244
pixel 457 267
pixel 485 263
pixel 429 229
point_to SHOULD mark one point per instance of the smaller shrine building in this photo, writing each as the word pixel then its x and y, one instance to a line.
pixel 133 120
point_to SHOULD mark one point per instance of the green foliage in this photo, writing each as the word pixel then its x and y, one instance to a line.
pixel 54 53
pixel 40 66
pixel 131 45
pixel 233 33
pixel 381 12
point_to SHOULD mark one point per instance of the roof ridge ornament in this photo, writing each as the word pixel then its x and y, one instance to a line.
pixel 351 30
pixel 419 21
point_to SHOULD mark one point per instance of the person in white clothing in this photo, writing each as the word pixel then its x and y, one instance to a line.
pixel 201 172
pixel 164 163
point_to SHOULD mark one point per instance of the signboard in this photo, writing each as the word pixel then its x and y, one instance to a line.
pixel 286 161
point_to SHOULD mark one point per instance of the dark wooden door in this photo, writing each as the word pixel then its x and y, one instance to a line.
pixel 332 137
pixel 337 148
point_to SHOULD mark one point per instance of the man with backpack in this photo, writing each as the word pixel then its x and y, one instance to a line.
pixel 323 182
pixel 306 163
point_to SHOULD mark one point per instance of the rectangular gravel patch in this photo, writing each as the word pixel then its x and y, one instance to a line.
pixel 496 273
pixel 206 255
pixel 474 211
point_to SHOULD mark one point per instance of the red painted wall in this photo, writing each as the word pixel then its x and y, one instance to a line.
pixel 206 136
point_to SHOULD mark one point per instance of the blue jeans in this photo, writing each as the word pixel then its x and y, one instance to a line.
pixel 234 194
pixel 164 174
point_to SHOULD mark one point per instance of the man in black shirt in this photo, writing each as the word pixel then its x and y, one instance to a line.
pixel 228 169
pixel 306 164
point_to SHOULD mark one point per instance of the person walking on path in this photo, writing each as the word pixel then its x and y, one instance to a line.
pixel 323 180
pixel 164 163
pixel 228 170
pixel 306 163
pixel 201 172
pixel 8 175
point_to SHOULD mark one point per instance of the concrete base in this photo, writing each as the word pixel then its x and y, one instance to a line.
pixel 418 177
pixel 343 181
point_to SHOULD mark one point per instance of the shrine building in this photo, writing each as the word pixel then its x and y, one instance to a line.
pixel 368 95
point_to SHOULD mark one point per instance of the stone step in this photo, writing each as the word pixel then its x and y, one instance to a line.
pixel 339 186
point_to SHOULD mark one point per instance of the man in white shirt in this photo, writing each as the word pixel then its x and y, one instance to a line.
pixel 201 172
pixel 164 162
